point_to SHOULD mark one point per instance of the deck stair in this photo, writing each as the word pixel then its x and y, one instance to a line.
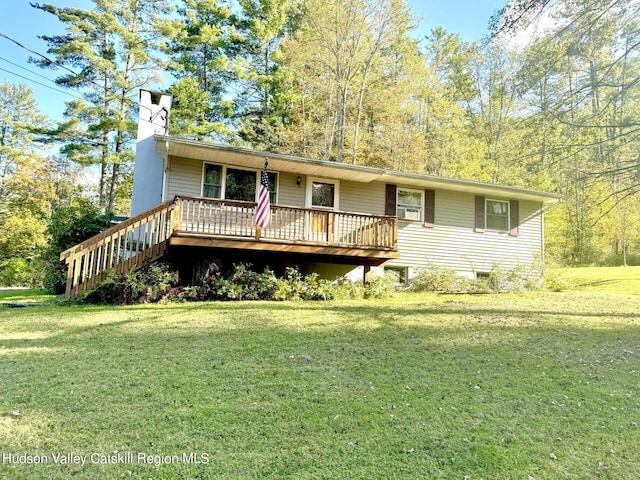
pixel 127 246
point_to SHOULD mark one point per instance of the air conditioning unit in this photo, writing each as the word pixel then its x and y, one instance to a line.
pixel 408 213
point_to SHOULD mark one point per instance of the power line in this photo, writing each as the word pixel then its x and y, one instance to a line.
pixel 40 83
pixel 27 70
pixel 47 59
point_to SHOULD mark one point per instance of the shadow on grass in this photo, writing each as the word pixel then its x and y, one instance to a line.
pixel 429 391
pixel 377 310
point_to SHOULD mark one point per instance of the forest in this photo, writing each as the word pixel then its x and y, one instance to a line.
pixel 549 100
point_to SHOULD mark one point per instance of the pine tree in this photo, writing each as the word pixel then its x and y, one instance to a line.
pixel 107 54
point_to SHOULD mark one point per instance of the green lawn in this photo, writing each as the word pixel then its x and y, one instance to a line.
pixel 599 279
pixel 23 296
pixel 545 385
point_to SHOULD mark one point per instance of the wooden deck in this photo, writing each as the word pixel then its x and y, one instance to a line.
pixel 228 224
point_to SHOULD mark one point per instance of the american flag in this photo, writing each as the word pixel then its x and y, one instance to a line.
pixel 263 209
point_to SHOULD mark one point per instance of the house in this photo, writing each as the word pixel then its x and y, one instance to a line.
pixel 197 200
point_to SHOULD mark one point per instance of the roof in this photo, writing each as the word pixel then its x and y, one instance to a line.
pixel 244 157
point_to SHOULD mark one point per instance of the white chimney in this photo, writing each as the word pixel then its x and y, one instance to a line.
pixel 148 171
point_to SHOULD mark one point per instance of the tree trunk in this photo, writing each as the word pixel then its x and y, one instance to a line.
pixel 342 120
pixel 356 130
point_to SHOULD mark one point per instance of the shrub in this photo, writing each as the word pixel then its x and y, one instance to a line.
pixel 68 227
pixel 148 285
pixel 435 278
pixel 160 283
pixel 252 285
pixel 294 286
pixel 381 286
pixel 499 280
pixel 345 289
pixel 557 284
pixel 15 272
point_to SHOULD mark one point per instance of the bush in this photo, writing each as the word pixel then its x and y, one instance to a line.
pixel 516 280
pixel 69 226
pixel 557 284
pixel 160 283
pixel 381 286
pixel 148 285
pixel 499 280
pixel 15 272
pixel 435 278
pixel 296 286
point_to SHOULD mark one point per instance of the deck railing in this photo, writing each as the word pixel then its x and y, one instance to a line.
pixel 232 218
pixel 144 238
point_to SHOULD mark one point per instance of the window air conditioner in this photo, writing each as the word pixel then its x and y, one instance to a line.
pixel 408 213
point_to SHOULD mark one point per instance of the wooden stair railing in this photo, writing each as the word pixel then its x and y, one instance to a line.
pixel 130 245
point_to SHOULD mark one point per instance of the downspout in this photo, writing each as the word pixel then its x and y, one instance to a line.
pixel 165 169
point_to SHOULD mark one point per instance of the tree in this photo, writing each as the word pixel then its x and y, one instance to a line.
pixel 27 182
pixel 69 226
pixel 344 48
pixel 581 87
pixel 198 57
pixel 107 55
pixel 263 103
pixel 19 119
pixel 444 118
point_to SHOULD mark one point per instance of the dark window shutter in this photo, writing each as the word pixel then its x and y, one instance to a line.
pixel 390 200
pixel 514 213
pixel 480 213
pixel 429 208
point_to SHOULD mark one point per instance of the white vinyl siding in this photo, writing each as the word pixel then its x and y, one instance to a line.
pixel 452 243
pixel 362 197
pixel 289 193
pixel 184 178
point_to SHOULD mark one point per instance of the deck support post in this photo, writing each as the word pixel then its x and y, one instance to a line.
pixel 366 278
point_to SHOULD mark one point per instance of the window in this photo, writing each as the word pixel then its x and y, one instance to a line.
pixel 497 215
pixel 401 274
pixel 235 184
pixel 322 193
pixel 240 185
pixel 273 186
pixel 212 184
pixel 409 205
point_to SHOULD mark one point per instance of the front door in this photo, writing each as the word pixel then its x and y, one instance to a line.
pixel 322 196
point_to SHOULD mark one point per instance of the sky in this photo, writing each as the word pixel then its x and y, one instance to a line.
pixel 23 23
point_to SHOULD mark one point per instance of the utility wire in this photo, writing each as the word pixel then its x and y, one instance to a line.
pixel 40 83
pixel 52 62
pixel 47 59
pixel 27 70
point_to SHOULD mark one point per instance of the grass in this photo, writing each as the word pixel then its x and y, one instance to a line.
pixel 545 385
pixel 599 279
pixel 23 296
